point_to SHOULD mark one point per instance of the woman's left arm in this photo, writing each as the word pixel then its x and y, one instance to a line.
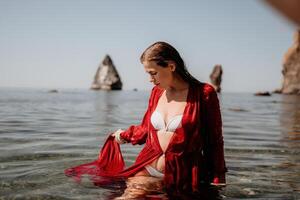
pixel 216 143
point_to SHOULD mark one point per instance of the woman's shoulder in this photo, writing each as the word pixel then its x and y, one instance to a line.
pixel 154 93
pixel 206 89
pixel 155 89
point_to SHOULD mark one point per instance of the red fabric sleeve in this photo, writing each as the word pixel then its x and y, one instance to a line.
pixel 216 142
pixel 137 134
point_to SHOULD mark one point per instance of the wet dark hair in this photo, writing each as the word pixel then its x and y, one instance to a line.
pixel 161 53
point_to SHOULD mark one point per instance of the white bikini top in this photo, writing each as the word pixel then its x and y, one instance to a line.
pixel 159 123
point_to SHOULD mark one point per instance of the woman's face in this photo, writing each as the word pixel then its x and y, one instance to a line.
pixel 161 76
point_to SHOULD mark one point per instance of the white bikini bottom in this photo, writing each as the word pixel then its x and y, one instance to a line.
pixel 154 172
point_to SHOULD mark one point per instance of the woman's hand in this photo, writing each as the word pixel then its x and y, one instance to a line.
pixel 117 136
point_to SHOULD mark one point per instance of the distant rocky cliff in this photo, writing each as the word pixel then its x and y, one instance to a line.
pixel 291 68
pixel 107 77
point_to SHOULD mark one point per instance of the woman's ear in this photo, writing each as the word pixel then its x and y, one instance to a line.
pixel 172 66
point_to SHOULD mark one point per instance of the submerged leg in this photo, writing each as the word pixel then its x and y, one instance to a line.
pixel 140 185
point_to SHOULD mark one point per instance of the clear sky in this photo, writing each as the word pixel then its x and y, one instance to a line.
pixel 60 43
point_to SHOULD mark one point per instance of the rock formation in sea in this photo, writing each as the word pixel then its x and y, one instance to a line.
pixel 277 91
pixel 107 77
pixel 216 77
pixel 291 68
pixel 53 91
pixel 266 93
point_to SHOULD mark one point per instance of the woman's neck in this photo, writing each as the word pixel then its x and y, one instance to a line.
pixel 178 85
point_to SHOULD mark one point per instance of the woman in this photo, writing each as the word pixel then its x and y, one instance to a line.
pixel 181 130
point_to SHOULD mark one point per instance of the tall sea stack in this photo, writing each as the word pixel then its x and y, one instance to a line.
pixel 291 68
pixel 107 77
pixel 216 77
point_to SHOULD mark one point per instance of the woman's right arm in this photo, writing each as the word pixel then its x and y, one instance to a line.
pixel 137 134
